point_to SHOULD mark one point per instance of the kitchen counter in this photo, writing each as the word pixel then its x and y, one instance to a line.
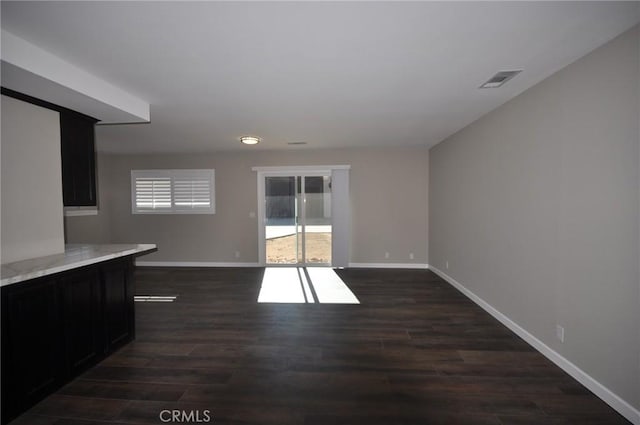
pixel 75 256
pixel 61 315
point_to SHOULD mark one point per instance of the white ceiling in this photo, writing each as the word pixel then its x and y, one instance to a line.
pixel 332 74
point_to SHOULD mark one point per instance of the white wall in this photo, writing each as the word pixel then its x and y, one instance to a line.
pixel 388 205
pixel 535 207
pixel 31 181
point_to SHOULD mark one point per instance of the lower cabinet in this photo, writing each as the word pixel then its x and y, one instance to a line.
pixel 31 349
pixel 119 312
pixel 82 320
pixel 56 327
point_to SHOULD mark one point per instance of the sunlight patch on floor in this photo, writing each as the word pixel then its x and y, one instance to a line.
pixel 300 285
pixel 281 285
pixel 329 288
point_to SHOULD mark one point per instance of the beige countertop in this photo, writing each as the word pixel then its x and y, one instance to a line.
pixel 74 256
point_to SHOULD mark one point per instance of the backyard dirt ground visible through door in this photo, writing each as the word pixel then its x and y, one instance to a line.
pixel 282 250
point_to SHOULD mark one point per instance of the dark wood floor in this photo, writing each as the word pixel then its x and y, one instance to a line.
pixel 415 351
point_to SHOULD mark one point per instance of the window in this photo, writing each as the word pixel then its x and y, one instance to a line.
pixel 172 191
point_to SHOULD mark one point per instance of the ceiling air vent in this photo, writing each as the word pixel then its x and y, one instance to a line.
pixel 499 79
pixel 296 143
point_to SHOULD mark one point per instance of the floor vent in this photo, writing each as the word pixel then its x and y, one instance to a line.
pixel 154 298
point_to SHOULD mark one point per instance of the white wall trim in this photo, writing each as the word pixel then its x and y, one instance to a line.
pixel 608 396
pixel 192 264
pixel 76 212
pixel 389 265
pixel 302 168
pixel 222 264
pixel 339 198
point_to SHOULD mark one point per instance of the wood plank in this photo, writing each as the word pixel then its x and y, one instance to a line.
pixel 415 351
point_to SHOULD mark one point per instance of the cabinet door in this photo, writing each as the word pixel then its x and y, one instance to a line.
pixel 78 160
pixel 118 303
pixel 31 349
pixel 82 320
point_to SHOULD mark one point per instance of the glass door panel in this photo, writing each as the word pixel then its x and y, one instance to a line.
pixel 281 223
pixel 300 218
pixel 317 219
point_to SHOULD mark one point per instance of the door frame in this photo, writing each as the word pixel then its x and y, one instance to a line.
pixel 285 171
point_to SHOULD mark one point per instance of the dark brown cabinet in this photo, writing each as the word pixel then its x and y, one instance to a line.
pixel 55 327
pixel 31 350
pixel 118 304
pixel 77 140
pixel 81 319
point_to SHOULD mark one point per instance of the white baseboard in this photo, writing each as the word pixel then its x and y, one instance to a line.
pixel 216 264
pixel 192 264
pixel 608 396
pixel 389 265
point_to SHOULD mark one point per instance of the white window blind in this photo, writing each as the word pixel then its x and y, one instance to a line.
pixel 172 191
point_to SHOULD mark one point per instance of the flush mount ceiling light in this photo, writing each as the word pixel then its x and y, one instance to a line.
pixel 250 140
pixel 500 78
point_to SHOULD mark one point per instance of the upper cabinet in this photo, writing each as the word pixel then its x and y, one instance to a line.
pixel 77 139
pixel 77 143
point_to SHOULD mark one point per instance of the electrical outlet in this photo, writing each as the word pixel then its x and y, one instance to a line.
pixel 237 254
pixel 386 255
pixel 446 265
pixel 560 333
pixel 411 256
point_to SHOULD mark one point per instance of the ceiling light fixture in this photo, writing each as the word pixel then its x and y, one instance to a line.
pixel 250 140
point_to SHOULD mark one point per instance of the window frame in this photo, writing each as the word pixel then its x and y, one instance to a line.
pixel 172 175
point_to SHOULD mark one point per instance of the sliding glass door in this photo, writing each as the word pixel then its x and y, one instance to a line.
pixel 316 215
pixel 297 219
pixel 281 224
